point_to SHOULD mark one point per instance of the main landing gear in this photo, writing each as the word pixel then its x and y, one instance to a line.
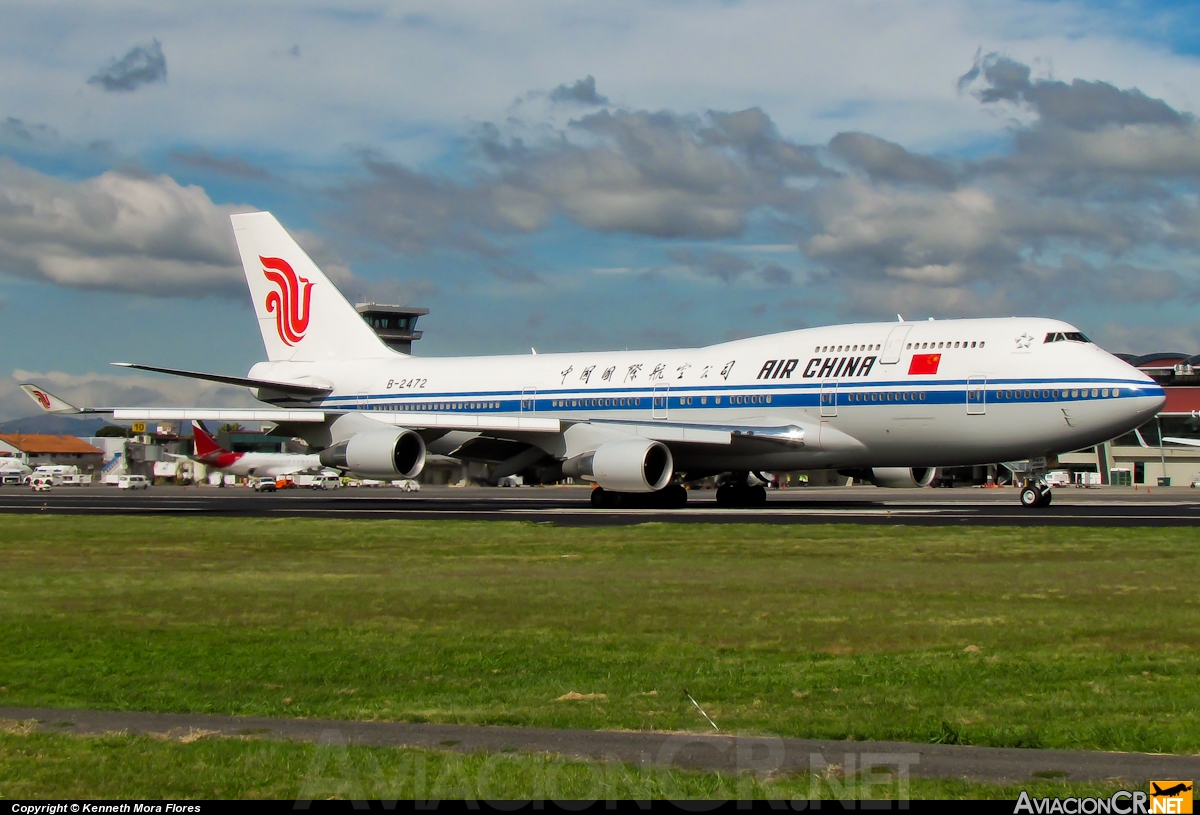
pixel 1035 494
pixel 672 497
pixel 738 492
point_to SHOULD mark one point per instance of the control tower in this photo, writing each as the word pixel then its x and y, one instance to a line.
pixel 395 325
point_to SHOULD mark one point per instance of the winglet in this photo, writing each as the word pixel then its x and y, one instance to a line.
pixel 48 401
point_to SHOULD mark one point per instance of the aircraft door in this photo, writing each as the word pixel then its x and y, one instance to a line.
pixel 528 400
pixel 658 401
pixel 976 395
pixel 894 345
pixel 829 394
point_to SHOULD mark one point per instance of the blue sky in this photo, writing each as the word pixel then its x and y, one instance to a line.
pixel 573 175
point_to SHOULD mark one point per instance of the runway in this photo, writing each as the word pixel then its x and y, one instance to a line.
pixel 569 506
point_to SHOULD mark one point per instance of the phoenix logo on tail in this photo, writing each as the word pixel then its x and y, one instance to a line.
pixel 291 316
pixel 41 398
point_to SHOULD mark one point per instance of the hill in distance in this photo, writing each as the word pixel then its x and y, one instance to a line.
pixel 49 423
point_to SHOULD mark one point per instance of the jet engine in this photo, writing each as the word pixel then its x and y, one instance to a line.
pixel 637 465
pixel 383 454
pixel 900 477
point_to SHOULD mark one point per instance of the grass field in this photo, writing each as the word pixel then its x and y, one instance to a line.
pixel 1074 638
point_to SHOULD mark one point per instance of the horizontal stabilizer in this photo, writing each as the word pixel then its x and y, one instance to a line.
pixel 1178 440
pixel 310 391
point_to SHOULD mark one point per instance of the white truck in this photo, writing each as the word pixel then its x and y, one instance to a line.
pixel 63 475
pixel 13 472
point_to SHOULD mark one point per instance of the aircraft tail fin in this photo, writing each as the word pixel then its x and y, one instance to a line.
pixel 301 314
pixel 205 444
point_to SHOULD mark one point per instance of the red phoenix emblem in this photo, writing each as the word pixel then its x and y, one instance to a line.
pixel 290 303
pixel 42 398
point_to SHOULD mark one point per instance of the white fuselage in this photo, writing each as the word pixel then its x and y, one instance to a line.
pixel 867 395
pixel 244 465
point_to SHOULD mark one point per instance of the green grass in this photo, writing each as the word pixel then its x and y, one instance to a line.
pixel 1073 638
pixel 120 766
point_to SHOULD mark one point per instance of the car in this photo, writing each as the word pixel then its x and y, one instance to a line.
pixel 41 483
pixel 1195 481
pixel 133 482
pixel 263 484
pixel 327 482
pixel 407 484
pixel 510 481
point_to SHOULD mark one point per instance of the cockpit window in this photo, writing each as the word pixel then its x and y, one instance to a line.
pixel 1067 336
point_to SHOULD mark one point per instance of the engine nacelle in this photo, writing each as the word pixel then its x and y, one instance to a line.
pixel 382 454
pixel 637 465
pixel 900 477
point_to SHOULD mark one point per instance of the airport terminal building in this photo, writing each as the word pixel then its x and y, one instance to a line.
pixel 1158 452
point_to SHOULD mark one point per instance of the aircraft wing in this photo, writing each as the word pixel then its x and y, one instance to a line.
pixel 664 431
pixel 1178 440
pixel 762 431
pixel 469 421
pixel 669 432
pixel 53 404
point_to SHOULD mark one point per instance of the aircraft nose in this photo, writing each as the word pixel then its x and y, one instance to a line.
pixel 1148 396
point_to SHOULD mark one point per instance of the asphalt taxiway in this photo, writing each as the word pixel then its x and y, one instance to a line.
pixel 570 506
pixel 698 751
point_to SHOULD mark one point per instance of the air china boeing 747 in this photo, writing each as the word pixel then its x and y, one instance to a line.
pixel 891 400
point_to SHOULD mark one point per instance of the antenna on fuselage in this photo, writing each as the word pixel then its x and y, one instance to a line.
pixel 899 319
pixel 533 350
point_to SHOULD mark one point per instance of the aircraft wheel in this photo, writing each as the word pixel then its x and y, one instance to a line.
pixel 1031 497
pixel 599 497
pixel 1047 496
pixel 673 497
pixel 738 495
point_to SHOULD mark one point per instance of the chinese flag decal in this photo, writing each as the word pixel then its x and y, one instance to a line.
pixel 924 364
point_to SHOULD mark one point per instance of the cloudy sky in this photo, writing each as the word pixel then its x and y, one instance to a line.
pixel 573 175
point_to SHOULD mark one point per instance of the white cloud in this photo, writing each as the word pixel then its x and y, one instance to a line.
pixel 129 233
pixel 404 78
pixel 116 231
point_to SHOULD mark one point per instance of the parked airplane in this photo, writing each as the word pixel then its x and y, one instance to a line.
pixel 891 401
pixel 216 457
